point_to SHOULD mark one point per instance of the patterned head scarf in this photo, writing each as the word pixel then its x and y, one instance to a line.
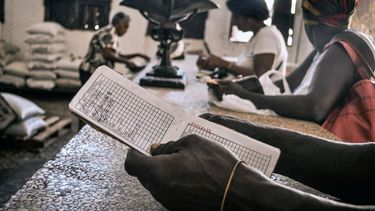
pixel 332 13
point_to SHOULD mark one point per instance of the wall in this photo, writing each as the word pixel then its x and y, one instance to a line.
pixel 364 18
pixel 302 46
pixel 217 32
pixel 20 14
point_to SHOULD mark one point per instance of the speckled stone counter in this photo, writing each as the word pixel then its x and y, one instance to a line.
pixel 88 174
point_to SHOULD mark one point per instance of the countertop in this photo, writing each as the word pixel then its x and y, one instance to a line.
pixel 88 173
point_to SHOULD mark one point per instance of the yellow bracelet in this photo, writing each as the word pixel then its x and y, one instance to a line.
pixel 228 183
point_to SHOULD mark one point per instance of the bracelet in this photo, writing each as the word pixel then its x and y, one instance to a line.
pixel 230 65
pixel 229 183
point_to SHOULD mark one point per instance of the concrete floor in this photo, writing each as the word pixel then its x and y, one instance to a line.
pixel 17 164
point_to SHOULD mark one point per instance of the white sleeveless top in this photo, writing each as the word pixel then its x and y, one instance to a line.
pixel 267 40
pixel 304 86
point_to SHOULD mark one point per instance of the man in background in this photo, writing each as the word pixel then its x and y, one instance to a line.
pixel 104 48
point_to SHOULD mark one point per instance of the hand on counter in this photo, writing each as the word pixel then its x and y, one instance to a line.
pixel 221 87
pixel 188 174
pixel 192 174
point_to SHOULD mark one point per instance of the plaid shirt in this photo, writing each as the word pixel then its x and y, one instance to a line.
pixel 104 38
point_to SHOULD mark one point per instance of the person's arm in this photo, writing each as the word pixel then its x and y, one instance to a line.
pixel 130 56
pixel 251 190
pixel 262 63
pixel 109 54
pixel 295 78
pixel 346 171
pixel 192 173
pixel 333 78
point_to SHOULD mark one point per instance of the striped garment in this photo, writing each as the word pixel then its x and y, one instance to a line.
pixel 104 38
pixel 332 13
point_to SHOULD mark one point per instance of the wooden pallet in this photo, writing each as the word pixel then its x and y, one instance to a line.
pixel 56 128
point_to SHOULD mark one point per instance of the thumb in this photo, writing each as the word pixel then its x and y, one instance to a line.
pixel 206 116
pixel 222 120
pixel 167 148
pixel 242 126
pixel 136 162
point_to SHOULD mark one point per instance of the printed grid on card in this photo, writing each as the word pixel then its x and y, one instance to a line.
pixel 124 113
pixel 252 158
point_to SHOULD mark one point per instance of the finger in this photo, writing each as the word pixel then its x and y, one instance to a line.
pixel 215 118
pixel 219 92
pixel 241 126
pixel 224 82
pixel 206 116
pixel 220 119
pixel 212 82
pixel 136 163
pixel 154 146
pixel 168 148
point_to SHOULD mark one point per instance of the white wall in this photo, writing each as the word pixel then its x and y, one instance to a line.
pixel 301 46
pixel 19 14
pixel 217 32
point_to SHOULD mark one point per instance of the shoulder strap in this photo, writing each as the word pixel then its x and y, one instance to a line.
pixel 279 66
pixel 360 49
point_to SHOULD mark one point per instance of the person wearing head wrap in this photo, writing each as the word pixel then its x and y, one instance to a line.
pixel 194 173
pixel 335 14
pixel 332 16
pixel 312 82
pixel 266 49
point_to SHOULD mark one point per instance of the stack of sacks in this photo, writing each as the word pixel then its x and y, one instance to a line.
pixel 47 45
pixel 29 117
pixel 15 74
pixel 7 115
pixel 68 72
pixel 7 53
pixel 7 56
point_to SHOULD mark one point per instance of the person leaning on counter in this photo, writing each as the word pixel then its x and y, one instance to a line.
pixel 194 173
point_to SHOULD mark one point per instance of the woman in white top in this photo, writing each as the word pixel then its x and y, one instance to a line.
pixel 266 50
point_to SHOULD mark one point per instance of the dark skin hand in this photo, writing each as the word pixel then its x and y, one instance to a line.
pixel 330 84
pixel 191 174
pixel 262 63
pixel 177 169
pixel 109 54
pixel 346 171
